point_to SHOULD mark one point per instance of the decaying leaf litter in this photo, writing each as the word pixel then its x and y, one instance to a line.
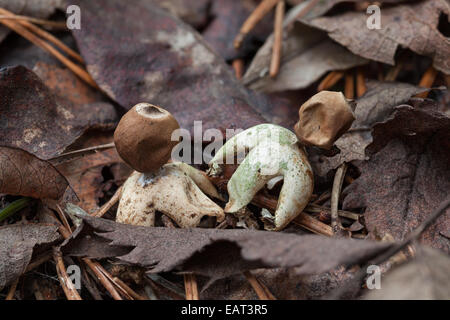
pixel 379 173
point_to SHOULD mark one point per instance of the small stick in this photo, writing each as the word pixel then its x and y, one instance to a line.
pixel 56 160
pixel 361 87
pixel 335 193
pixel 98 271
pixel 427 81
pixel 128 290
pixel 313 208
pixel 238 66
pixel 309 223
pixel 278 39
pixel 12 290
pixel 349 86
pixel 66 283
pixel 48 23
pixel 111 279
pixel 63 218
pixel 392 74
pixel 190 285
pixel 45 35
pixel 108 205
pixel 38 261
pixel 307 9
pixel 261 10
pixel 45 46
pixel 261 290
pixel 330 80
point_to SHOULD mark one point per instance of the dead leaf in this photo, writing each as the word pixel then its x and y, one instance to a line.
pixel 193 12
pixel 86 174
pixel 375 106
pixel 66 84
pixel 23 174
pixel 304 48
pixel 407 175
pixel 229 15
pixel 213 252
pixel 412 26
pixel 17 242
pixel 160 60
pixel 38 121
pixel 426 277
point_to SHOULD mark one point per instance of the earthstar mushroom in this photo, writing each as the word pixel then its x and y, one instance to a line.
pixel 273 152
pixel 143 140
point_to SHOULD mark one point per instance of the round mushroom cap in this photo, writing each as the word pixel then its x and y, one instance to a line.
pixel 323 119
pixel 143 137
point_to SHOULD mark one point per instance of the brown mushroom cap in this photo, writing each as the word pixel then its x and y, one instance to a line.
pixel 323 119
pixel 143 137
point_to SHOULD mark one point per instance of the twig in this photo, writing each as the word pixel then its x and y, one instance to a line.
pixel 261 290
pixel 66 283
pixel 392 74
pixel 128 290
pixel 98 271
pixel 302 219
pixel 307 9
pixel 427 81
pixel 108 205
pixel 309 223
pixel 15 26
pixel 261 10
pixel 79 153
pixel 39 260
pixel 94 266
pixel 190 285
pixel 238 66
pixel 12 290
pixel 330 80
pixel 361 87
pixel 314 208
pixel 335 193
pixel 278 39
pixel 63 218
pixel 45 35
pixel 48 23
pixel 349 85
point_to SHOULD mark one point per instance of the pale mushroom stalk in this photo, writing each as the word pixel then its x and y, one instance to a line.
pixel 273 152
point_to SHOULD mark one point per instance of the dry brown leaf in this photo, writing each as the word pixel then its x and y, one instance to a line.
pixel 160 60
pixel 193 12
pixel 38 121
pixel 407 176
pixel 412 26
pixel 213 252
pixel 23 174
pixel 17 242
pixel 85 174
pixel 307 54
pixel 426 277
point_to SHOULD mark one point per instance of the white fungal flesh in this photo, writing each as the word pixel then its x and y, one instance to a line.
pixel 273 152
pixel 173 192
